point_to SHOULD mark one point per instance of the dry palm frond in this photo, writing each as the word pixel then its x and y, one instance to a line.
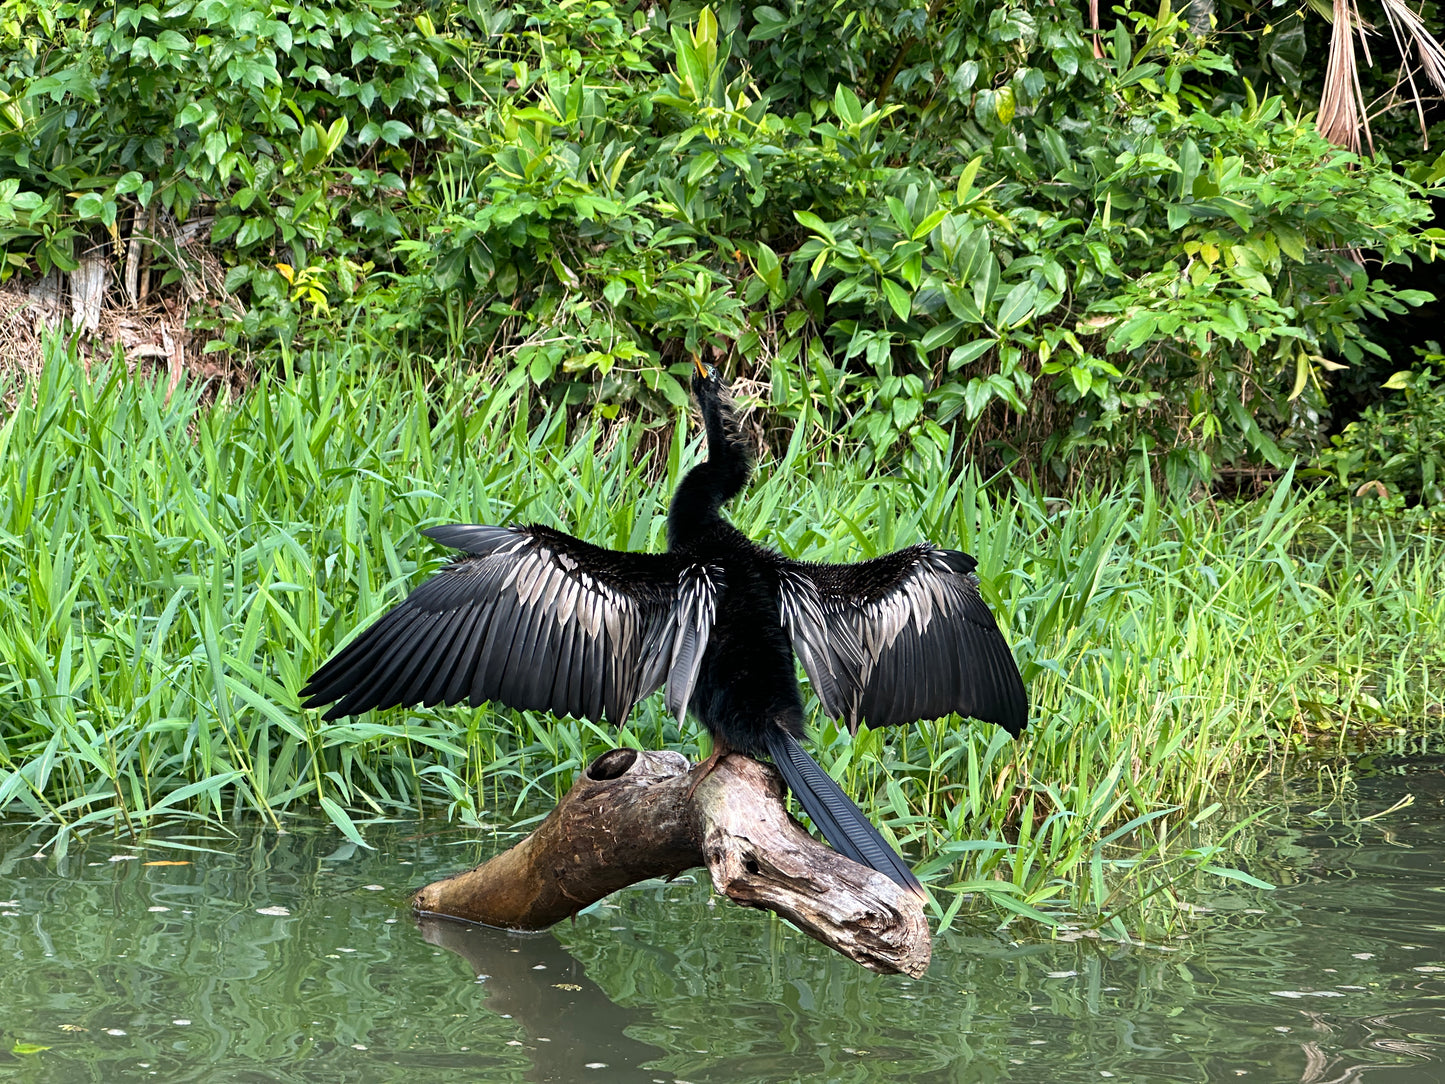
pixel 1342 104
pixel 1408 29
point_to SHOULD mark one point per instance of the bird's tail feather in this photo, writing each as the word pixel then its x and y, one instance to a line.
pixel 841 822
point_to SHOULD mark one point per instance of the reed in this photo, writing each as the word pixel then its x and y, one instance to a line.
pixel 171 571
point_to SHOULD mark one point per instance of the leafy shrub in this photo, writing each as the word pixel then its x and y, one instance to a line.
pixel 909 220
pixel 293 125
pixel 1395 452
pixel 1162 277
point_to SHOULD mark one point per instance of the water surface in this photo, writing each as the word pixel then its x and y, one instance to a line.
pixel 292 957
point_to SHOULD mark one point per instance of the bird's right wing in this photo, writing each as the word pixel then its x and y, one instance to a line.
pixel 902 637
pixel 534 619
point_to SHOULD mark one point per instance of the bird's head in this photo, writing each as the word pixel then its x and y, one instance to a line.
pixel 706 379
pixel 709 485
pixel 714 395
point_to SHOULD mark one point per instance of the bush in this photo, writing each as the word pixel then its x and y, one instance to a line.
pixel 904 220
pixel 1394 454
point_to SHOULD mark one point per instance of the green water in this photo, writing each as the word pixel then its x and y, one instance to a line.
pixel 290 958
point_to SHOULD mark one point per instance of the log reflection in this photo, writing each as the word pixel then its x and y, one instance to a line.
pixel 573 1030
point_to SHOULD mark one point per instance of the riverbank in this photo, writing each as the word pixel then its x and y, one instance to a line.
pixel 172 571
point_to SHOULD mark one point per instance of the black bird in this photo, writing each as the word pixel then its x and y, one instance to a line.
pixel 536 619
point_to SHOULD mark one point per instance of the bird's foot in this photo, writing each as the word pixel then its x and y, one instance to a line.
pixel 719 750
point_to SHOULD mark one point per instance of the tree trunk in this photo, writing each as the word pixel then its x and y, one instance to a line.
pixel 630 817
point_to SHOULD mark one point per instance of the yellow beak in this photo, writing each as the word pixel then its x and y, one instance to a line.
pixel 701 368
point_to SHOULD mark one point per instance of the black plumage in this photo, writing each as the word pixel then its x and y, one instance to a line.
pixel 534 618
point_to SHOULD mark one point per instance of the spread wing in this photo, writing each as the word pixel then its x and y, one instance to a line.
pixel 902 637
pixel 534 619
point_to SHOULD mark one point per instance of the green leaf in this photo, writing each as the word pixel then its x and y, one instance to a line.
pixel 938 335
pixel 961 305
pixel 898 298
pixel 342 820
pixel 1250 276
pixel 394 131
pixel 962 355
pixel 770 268
pixel 701 166
pixel 1238 875
pixel 542 367
pixel 1301 375
pixel 1004 104
pixel 237 277
pixel 973 251
pixel 900 215
pixel 985 283
pixel 27 1048
pixel 60 256
pixel 847 106
pixel 1020 908
pixel 966 178
pixel 1018 304
pixel 335 134
pixel 771 23
pixel 129 182
pixel 929 224
pixel 253 230
pixel 816 224
pixel 976 395
pixel 671 390
pixel 615 291
pixel 1134 332
pixel 214 784
pixel 1291 242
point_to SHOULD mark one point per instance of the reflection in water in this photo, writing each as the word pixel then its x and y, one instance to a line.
pixel 573 1029
pixel 291 958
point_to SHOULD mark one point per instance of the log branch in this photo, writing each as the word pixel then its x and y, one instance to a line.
pixel 630 817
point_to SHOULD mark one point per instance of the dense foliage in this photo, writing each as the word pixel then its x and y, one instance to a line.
pixel 1396 453
pixel 900 217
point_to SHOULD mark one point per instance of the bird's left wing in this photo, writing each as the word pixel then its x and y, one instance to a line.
pixel 535 619
pixel 902 637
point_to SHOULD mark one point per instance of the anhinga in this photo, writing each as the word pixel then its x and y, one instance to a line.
pixel 536 619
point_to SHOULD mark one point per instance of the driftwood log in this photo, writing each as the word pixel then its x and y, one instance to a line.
pixel 630 817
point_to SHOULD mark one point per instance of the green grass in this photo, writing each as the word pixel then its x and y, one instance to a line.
pixel 171 572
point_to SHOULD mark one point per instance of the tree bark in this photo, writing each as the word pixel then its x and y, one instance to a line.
pixel 631 816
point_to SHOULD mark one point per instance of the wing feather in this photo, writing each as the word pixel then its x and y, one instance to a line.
pixel 902 637
pixel 423 659
pixel 511 669
pixel 388 656
pixel 492 658
pixel 697 593
pixel 449 673
pixel 535 619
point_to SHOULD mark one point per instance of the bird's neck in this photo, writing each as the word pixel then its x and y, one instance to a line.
pixel 696 512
